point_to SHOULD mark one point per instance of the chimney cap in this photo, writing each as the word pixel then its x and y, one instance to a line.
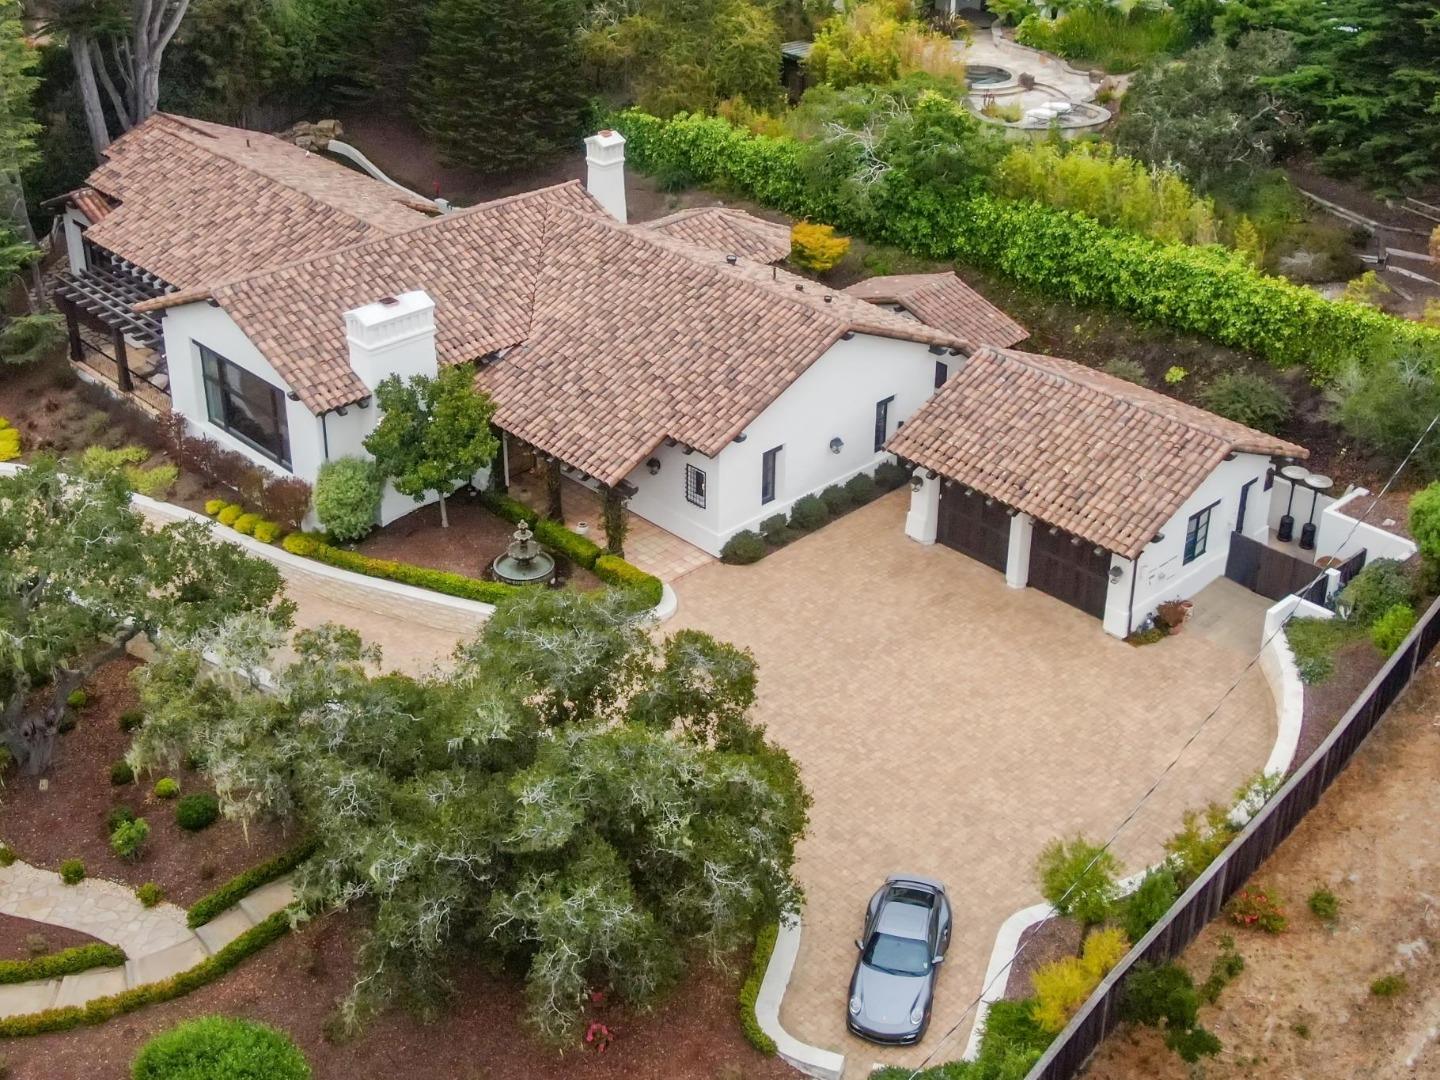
pixel 389 301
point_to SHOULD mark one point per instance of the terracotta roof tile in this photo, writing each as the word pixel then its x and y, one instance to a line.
pixel 730 232
pixel 946 302
pixel 1099 457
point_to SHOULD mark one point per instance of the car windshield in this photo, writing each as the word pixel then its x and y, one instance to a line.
pixel 897 955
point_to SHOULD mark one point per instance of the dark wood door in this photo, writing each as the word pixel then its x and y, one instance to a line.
pixel 967 524
pixel 1069 572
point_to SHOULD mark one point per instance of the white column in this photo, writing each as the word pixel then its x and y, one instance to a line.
pixel 1017 559
pixel 924 516
pixel 1117 597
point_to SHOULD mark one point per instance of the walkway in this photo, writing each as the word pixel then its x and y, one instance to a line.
pixel 949 725
pixel 157 940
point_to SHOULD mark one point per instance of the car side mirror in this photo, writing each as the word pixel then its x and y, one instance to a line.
pixel 939 959
pixel 859 944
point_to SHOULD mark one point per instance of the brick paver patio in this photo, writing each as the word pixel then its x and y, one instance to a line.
pixel 946 724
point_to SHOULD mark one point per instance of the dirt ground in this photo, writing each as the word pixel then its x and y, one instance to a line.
pixel 25 939
pixel 1302 1009
pixel 67 820
pixel 295 983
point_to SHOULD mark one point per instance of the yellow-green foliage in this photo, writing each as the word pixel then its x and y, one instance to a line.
pixel 879 41
pixel 154 482
pixel 1115 190
pixel 1367 289
pixel 1062 987
pixel 267 532
pixel 214 506
pixel 245 523
pixel 816 247
pixel 1248 242
pixel 229 514
pixel 9 441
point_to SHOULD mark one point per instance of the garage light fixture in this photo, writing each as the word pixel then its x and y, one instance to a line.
pixel 1116 573
pixel 931 474
pixel 1054 530
pixel 837 444
pixel 1010 511
pixel 653 465
pixel 1098 551
pixel 916 483
pixel 1074 541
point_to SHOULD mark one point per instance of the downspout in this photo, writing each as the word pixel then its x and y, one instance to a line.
pixel 325 433
pixel 1130 608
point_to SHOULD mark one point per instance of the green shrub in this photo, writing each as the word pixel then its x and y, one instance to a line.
pixel 808 513
pixel 72 871
pixel 65 962
pixel 77 699
pixel 220 1046
pixel 614 570
pixel 154 482
pixel 1248 399
pixel 1324 905
pixel 578 549
pixel 836 499
pixel 508 508
pixel 150 894
pixel 1388 986
pixel 347 497
pixel 245 523
pixel 1382 584
pixel 1117 41
pixel 214 506
pixel 131 719
pixel 118 816
pixel 198 811
pixel 1157 995
pixel 1193 1043
pixel 167 788
pixel 861 488
pixel 1387 403
pixel 1124 368
pixel 1148 904
pixel 422 577
pixel 1078 878
pixel 1314 642
pixel 744 548
pixel 1256 907
pixel 775 529
pixel 1199 842
pixel 129 838
pixel 750 990
pixel 7 856
pixel 1223 969
pixel 121 773
pixel 243 884
pixel 1062 986
pixel 1425 522
pixel 889 475
pixel 1392 628
pixel 229 513
pixel 267 532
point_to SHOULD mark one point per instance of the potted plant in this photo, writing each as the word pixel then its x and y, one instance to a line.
pixel 1173 613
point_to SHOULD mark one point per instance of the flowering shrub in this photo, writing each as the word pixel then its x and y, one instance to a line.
pixel 1256 907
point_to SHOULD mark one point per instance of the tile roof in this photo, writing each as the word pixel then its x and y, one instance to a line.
pixel 946 302
pixel 1099 457
pixel 200 202
pixel 730 232
pixel 91 203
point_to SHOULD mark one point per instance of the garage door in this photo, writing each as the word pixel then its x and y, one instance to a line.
pixel 1069 572
pixel 967 524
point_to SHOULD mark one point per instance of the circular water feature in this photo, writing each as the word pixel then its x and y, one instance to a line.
pixel 979 76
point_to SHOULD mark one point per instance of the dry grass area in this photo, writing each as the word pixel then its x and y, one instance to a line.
pixel 1303 1009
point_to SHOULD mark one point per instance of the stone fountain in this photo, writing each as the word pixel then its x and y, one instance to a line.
pixel 524 561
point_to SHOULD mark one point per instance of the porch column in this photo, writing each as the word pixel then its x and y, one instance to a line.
pixel 72 329
pixel 1118 617
pixel 500 470
pixel 554 508
pixel 122 362
pixel 615 524
pixel 1017 557
pixel 924 516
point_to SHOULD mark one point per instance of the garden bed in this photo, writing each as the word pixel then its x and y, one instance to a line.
pixel 295 983
pixel 17 935
pixel 1044 943
pixel 68 819
pixel 1325 702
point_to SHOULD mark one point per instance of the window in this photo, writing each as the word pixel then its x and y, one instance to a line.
pixel 246 406
pixel 882 423
pixel 767 475
pixel 942 372
pixel 1197 533
pixel 695 486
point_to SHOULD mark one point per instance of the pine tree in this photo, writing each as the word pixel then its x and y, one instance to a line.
pixel 498 87
pixel 18 129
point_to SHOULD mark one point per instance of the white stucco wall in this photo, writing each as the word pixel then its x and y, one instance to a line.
pixel 834 397
pixel 74 246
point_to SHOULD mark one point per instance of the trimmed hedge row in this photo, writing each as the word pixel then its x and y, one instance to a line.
pixel 750 990
pixel 614 570
pixel 1205 290
pixel 65 962
pixel 310 546
pixel 106 1008
pixel 553 534
pixel 243 884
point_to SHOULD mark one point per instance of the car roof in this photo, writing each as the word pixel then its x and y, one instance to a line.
pixel 904 913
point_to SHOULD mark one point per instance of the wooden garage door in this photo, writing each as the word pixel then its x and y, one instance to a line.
pixel 967 524
pixel 1069 572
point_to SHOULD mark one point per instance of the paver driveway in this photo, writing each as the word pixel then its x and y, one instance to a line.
pixel 949 725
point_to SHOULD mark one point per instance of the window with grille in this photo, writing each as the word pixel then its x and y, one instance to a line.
pixel 695 486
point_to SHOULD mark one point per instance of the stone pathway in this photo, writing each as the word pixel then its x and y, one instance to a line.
pixel 157 941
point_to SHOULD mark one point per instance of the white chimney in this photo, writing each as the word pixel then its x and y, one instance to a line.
pixel 605 178
pixel 393 336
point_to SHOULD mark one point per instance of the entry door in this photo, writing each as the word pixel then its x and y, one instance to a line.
pixel 1244 503
pixel 1069 572
pixel 968 525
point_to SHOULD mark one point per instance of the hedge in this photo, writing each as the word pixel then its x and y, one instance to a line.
pixel 98 1010
pixel 614 570
pixel 576 548
pixel 750 990
pixel 1206 290
pixel 508 508
pixel 65 962
pixel 243 884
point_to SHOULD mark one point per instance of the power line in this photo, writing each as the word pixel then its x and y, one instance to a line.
pixel 1150 791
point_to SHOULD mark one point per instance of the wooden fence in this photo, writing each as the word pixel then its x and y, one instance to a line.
pixel 1204 899
pixel 1273 573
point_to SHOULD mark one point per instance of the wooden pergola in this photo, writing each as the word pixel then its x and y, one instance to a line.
pixel 107 290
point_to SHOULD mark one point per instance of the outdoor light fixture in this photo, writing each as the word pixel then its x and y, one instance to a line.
pixel 653 465
pixel 916 483
pixel 931 474
pixel 1097 551
pixel 292 395
pixel 989 502
pixel 1115 575
pixel 837 444
pixel 1074 541
pixel 1011 511
pixel 1054 531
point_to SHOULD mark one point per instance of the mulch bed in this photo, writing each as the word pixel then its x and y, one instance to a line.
pixel 469 546
pixel 1325 702
pixel 67 820
pixel 1044 943
pixel 17 934
pixel 480 1035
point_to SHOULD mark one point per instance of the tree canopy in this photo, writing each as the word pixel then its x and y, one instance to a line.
pixel 576 798
pixel 81 573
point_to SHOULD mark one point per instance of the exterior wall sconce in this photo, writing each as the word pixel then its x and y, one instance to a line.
pixel 653 465
pixel 292 395
pixel 989 502
pixel 916 483
pixel 931 474
pixel 1116 573
pixel 837 444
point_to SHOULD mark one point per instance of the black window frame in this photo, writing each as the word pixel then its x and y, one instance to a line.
pixel 1197 535
pixel 221 409
pixel 882 422
pixel 769 470
pixel 695 485
pixel 942 373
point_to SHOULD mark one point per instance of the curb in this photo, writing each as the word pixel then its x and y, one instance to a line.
pixel 810 1060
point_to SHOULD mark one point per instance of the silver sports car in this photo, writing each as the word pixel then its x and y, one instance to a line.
pixel 907 930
